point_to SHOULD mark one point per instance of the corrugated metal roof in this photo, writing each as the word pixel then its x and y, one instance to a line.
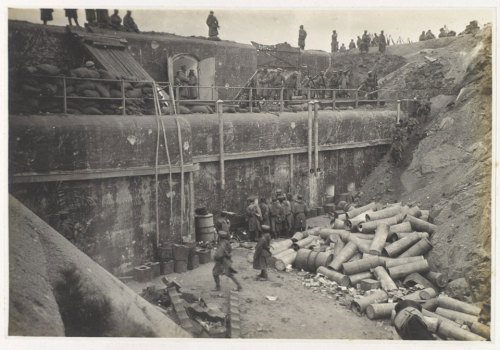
pixel 112 54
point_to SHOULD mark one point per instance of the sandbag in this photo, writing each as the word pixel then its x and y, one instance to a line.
pixel 90 93
pixel 242 110
pixel 92 110
pixel 115 93
pixel 30 89
pixel 49 89
pixel 147 90
pixel 48 69
pixel 73 111
pixel 83 72
pixel 228 110
pixel 106 75
pixel 199 109
pixel 183 110
pixel 70 89
pixel 103 90
pixel 134 93
pixel 86 85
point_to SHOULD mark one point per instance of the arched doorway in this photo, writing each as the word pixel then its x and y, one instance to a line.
pixel 204 71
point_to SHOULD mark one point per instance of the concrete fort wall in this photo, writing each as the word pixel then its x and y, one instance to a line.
pixel 93 178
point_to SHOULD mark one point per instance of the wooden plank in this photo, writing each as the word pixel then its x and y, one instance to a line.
pixel 178 305
pixel 286 151
pixel 91 174
pixel 234 315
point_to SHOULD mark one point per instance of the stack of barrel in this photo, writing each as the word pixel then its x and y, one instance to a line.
pixel 383 248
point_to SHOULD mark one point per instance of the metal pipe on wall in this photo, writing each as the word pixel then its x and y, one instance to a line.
pixel 316 137
pixel 221 144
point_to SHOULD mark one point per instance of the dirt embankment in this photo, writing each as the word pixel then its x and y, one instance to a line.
pixel 448 168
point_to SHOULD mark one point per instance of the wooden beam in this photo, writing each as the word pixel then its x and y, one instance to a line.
pixel 92 174
pixel 181 153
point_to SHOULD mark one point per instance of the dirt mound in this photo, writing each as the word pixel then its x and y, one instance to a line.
pixel 40 260
pixel 448 167
pixel 361 64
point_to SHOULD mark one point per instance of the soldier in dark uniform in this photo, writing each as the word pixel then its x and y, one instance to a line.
pixel 286 216
pixel 222 258
pixel 302 37
pixel 382 43
pixel 275 216
pixel 398 144
pixel 342 48
pixel 129 23
pixel 359 43
pixel 335 43
pixel 71 14
pixel 264 212
pixel 254 218
pixel 102 18
pixel 262 256
pixel 193 82
pixel 46 15
pixel 278 81
pixel 290 86
pixel 213 26
pixel 352 45
pixel 365 41
pixel 429 35
pixel 115 20
pixel 91 17
pixel 182 80
pixel 299 211
pixel 222 223
pixel 370 86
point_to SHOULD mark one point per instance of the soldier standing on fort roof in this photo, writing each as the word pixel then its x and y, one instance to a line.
pixel 129 23
pixel 46 15
pixel 352 45
pixel 302 37
pixel 335 43
pixel 71 14
pixel 115 20
pixel 213 26
pixel 91 16
pixel 102 18
pixel 382 42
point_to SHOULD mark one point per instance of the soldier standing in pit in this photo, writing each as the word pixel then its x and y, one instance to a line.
pixel 352 45
pixel 262 256
pixel 302 37
pixel 299 211
pixel 335 43
pixel 71 14
pixel 46 15
pixel 382 42
pixel 278 81
pixel 275 216
pixel 129 23
pixel 182 80
pixel 222 258
pixel 193 82
pixel 264 212
pixel 260 82
pixel 213 26
pixel 398 144
pixel 115 20
pixel 254 217
pixel 290 87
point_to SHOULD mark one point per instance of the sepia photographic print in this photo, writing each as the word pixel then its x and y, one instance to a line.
pixel 248 172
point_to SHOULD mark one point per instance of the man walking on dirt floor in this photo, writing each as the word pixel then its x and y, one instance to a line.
pixel 254 217
pixel 222 258
pixel 262 256
pixel 299 211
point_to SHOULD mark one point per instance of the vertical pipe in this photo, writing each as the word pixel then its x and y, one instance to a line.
pixel 221 144
pixel 191 205
pixel 316 137
pixel 309 94
pixel 179 136
pixel 398 111
pixel 291 172
pixel 356 96
pixel 177 97
pixel 282 106
pixel 250 98
pixel 309 148
pixel 124 111
pixel 65 100
pixel 333 99
pixel 378 99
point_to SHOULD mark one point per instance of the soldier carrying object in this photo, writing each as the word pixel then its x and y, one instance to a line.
pixel 222 258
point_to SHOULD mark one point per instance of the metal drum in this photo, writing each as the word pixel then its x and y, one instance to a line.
pixel 204 227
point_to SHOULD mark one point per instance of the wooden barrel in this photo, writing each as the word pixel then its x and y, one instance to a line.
pixel 204 228
pixel 301 258
pixel 323 259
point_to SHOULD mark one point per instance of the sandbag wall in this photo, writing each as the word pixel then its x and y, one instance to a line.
pixel 40 89
pixel 379 252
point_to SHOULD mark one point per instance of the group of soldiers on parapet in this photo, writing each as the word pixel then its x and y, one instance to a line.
pixel 363 43
pixel 96 18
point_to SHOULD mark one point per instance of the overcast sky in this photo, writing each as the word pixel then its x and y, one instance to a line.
pixel 274 26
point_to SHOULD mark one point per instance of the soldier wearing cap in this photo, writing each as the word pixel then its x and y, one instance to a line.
pixel 299 211
pixel 254 217
pixel 262 256
pixel 213 26
pixel 222 258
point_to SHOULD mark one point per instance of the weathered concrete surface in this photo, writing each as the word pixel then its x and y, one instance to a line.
pixel 45 254
pixel 113 219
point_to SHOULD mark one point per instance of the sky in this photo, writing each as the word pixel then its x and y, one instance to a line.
pixel 267 26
